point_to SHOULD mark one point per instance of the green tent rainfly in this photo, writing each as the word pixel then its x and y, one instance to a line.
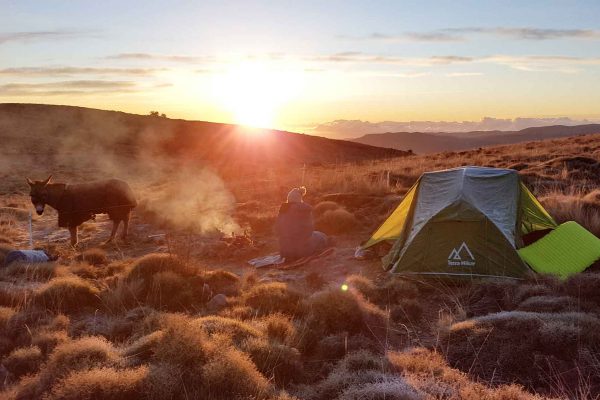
pixel 466 221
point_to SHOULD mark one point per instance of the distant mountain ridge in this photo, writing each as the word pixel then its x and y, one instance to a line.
pixel 427 142
pixel 345 129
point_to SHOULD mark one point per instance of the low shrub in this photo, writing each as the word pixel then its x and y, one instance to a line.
pixel 82 353
pixel 278 361
pixel 407 311
pixel 234 330
pixel 335 222
pixel 164 381
pixel 352 372
pixel 68 294
pixel 183 344
pixel 548 304
pixel 231 374
pixel 278 327
pixel 334 311
pixel 14 296
pixel 273 297
pixel 84 270
pixel 93 256
pixel 77 355
pixel 159 281
pixel 338 345
pixel 430 375
pixel 238 312
pixel 396 289
pixel 6 314
pixel 584 287
pixel 101 383
pixel 364 285
pixel 24 360
pixel 31 272
pixel 46 341
pixel 221 281
pixel 143 349
pixel 171 291
pixel 113 327
pixel 324 206
pixel 146 267
pixel 525 291
pixel 565 207
pixel 529 348
pixel 388 388
pixel 490 297
pixel 4 250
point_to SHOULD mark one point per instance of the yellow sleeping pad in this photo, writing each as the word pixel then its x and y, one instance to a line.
pixel 567 250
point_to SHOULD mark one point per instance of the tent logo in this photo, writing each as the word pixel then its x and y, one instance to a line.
pixel 461 257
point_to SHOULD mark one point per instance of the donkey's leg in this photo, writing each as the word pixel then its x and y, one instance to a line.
pixel 73 232
pixel 126 226
pixel 116 223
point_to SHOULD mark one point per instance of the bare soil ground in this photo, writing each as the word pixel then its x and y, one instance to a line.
pixel 178 313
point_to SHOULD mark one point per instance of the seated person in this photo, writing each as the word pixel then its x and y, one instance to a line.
pixel 295 228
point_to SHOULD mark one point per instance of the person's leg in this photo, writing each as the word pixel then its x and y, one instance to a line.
pixel 318 242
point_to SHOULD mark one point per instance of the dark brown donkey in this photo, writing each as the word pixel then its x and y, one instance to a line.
pixel 80 202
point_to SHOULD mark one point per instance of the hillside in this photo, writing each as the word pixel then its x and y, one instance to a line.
pixel 50 130
pixel 426 142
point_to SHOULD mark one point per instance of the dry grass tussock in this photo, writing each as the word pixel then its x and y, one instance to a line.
pixel 19 271
pixel 25 360
pixel 161 281
pixel 101 383
pixel 581 208
pixel 272 297
pixel 334 219
pixel 93 256
pixel 69 294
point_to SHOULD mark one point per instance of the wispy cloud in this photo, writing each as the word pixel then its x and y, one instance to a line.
pixel 463 74
pixel 70 71
pixel 357 57
pixel 544 63
pixel 388 74
pixel 28 36
pixel 528 33
pixel 552 63
pixel 80 87
pixel 433 36
pixel 461 34
pixel 160 57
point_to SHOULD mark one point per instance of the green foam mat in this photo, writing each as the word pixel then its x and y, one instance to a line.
pixel 567 250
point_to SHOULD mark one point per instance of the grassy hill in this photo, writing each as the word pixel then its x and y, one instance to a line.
pixel 50 130
pixel 178 313
pixel 425 142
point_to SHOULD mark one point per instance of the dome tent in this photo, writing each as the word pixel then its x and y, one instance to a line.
pixel 466 221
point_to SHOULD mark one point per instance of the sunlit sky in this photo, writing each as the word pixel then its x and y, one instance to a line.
pixel 297 64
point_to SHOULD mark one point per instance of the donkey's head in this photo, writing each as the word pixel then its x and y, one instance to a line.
pixel 39 193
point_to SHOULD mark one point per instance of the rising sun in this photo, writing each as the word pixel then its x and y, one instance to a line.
pixel 253 92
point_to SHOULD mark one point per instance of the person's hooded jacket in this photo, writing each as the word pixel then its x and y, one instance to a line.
pixel 294 227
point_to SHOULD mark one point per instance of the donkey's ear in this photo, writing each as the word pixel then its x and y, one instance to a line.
pixel 29 182
pixel 47 181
